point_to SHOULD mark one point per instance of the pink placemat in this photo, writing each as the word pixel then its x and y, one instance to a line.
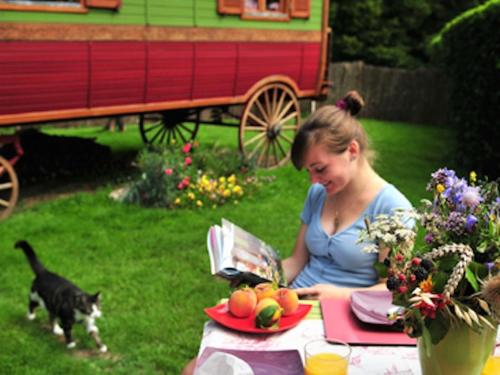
pixel 341 324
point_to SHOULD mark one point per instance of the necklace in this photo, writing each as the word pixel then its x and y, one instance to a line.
pixel 335 221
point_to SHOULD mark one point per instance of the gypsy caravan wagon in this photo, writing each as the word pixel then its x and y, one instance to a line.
pixel 164 60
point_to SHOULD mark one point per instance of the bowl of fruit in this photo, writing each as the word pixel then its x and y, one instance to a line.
pixel 262 309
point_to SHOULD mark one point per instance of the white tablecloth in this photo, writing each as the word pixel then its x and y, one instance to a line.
pixel 365 360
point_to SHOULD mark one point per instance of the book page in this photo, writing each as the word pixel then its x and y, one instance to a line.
pixel 247 253
pixel 214 247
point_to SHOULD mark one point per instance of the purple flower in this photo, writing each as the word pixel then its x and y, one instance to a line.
pixel 455 223
pixel 443 176
pixel 470 223
pixel 471 197
pixel 429 238
pixel 490 266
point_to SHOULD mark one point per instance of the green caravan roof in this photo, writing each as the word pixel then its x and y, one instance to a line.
pixel 182 13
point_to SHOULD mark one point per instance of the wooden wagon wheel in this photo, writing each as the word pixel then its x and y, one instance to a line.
pixel 168 127
pixel 9 188
pixel 268 125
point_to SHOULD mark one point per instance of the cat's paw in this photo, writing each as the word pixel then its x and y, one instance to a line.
pixel 31 316
pixel 71 345
pixel 103 349
pixel 58 331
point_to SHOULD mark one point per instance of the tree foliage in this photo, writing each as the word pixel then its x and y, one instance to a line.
pixel 392 33
pixel 469 49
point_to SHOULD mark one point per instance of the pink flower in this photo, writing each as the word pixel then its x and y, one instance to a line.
pixel 180 185
pixel 188 161
pixel 186 148
pixel 168 171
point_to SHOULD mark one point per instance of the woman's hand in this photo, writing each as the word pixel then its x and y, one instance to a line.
pixel 319 291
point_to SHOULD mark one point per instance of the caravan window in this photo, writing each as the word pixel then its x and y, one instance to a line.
pixel 272 10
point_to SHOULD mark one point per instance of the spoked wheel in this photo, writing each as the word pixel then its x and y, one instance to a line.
pixel 165 128
pixel 268 125
pixel 9 188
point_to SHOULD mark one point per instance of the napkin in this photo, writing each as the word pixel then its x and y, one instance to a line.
pixel 224 363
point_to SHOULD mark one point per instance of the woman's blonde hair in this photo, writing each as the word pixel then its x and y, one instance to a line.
pixel 333 126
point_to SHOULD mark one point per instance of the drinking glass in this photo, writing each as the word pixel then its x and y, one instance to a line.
pixel 326 357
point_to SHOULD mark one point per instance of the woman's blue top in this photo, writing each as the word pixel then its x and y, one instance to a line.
pixel 338 259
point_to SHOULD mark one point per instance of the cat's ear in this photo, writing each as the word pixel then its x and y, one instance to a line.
pixel 96 297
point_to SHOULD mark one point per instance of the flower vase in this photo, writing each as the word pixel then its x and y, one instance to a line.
pixel 461 352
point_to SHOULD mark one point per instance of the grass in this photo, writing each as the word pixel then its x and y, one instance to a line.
pixel 151 265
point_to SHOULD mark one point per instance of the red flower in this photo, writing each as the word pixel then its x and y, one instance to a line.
pixel 188 161
pixel 186 148
pixel 168 171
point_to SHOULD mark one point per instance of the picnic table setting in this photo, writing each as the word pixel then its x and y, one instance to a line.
pixel 374 345
pixel 438 315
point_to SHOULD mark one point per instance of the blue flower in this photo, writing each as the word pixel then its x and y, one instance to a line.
pixel 470 223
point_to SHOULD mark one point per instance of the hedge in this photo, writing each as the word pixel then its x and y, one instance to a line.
pixel 468 47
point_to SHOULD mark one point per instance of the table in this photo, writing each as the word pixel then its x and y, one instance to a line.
pixel 365 360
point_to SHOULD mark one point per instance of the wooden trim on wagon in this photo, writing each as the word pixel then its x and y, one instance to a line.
pixel 322 88
pixel 80 32
pixel 73 114
pixel 44 8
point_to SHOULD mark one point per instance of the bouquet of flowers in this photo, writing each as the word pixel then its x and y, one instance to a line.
pixel 453 274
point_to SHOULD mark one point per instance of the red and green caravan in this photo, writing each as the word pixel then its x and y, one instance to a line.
pixel 166 61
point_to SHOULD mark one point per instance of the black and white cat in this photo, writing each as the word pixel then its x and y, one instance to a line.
pixel 63 300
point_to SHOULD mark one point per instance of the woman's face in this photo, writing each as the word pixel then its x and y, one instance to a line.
pixel 333 171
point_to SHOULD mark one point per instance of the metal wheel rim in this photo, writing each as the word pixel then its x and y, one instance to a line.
pixel 9 188
pixel 158 129
pixel 269 122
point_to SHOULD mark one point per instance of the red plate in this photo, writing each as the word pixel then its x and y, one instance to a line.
pixel 221 315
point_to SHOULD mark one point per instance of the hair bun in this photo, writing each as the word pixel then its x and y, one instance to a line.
pixel 353 102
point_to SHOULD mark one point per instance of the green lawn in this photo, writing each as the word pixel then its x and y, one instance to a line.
pixel 151 264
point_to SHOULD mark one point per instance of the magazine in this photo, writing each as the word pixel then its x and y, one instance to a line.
pixel 241 257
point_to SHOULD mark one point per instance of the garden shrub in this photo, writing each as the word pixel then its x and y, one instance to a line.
pixel 468 48
pixel 186 176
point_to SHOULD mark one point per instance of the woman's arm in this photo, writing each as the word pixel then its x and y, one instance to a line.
pixel 331 291
pixel 300 255
pixel 320 291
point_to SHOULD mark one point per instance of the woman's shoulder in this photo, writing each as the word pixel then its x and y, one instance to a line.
pixel 316 191
pixel 391 198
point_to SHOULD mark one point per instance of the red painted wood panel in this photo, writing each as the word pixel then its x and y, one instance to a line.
pixel 118 73
pixel 42 76
pixel 311 56
pixel 215 69
pixel 170 71
pixel 47 76
pixel 259 60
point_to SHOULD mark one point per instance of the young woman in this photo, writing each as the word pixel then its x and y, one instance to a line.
pixel 327 260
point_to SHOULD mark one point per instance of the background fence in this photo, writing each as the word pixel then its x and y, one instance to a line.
pixel 416 96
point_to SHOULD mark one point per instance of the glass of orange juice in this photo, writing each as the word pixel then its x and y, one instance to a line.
pixel 324 357
pixel 492 366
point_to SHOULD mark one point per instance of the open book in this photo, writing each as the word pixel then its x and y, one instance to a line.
pixel 242 258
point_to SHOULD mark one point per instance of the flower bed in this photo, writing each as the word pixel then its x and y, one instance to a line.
pixel 186 176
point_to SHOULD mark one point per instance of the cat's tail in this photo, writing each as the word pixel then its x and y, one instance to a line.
pixel 35 264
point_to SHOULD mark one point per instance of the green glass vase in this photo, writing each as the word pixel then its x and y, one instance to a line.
pixel 461 352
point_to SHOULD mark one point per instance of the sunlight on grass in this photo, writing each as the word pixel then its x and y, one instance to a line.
pixel 151 264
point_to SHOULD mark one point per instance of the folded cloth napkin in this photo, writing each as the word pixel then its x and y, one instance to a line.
pixel 224 363
pixel 372 306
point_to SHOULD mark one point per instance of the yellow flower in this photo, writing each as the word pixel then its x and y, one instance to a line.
pixel 439 188
pixel 177 201
pixel 173 141
pixel 473 176
pixel 227 193
pixel 191 196
pixel 238 190
pixel 199 203
pixel 222 180
pixel 231 179
pixel 426 285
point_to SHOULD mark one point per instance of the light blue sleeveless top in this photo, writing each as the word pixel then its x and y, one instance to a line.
pixel 338 259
